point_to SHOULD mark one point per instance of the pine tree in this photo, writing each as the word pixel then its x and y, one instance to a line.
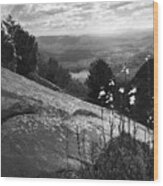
pixel 99 77
pixel 8 50
pixel 57 74
pixel 144 83
pixel 24 46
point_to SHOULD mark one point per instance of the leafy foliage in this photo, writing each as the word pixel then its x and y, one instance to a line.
pixel 100 75
pixel 123 159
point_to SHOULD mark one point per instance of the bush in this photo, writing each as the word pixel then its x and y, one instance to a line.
pixel 83 112
pixel 77 89
pixel 123 159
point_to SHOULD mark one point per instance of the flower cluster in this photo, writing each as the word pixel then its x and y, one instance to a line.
pixel 132 100
pixel 150 119
pixel 132 96
pixel 125 70
pixel 102 93
pixel 148 57
pixel 109 99
pixel 106 96
pixel 111 83
pixel 121 90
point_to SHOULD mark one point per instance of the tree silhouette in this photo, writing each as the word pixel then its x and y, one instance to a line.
pixel 25 46
pixel 144 83
pixel 8 51
pixel 57 74
pixel 99 77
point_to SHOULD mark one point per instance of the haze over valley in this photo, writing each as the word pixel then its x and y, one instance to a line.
pixel 76 53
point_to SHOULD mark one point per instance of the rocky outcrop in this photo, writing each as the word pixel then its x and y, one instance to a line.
pixel 46 133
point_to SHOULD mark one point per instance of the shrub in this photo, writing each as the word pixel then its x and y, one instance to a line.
pixel 85 113
pixel 123 159
pixel 77 89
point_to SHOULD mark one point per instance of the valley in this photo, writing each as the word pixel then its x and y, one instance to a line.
pixel 76 53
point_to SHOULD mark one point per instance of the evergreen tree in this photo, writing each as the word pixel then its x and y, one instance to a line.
pixel 99 77
pixel 8 50
pixel 25 46
pixel 144 83
pixel 57 74
pixel 52 70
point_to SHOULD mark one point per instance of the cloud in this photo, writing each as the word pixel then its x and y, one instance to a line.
pixel 116 5
pixel 82 18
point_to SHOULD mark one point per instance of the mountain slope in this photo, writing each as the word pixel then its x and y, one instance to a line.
pixel 45 131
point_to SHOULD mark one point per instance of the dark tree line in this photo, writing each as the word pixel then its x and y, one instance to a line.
pixel 8 50
pixel 19 48
pixel 57 74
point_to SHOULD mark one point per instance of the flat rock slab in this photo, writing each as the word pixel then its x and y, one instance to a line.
pixel 45 132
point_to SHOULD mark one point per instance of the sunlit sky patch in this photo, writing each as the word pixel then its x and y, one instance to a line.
pixel 83 18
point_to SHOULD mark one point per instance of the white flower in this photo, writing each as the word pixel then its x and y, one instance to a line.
pixel 121 90
pixel 132 91
pixel 132 100
pixel 101 94
pixel 150 117
pixel 146 59
pixel 111 98
pixel 125 70
pixel 107 96
pixel 112 106
pixel 111 83
pixel 107 101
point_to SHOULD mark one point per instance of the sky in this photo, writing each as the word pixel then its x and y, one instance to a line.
pixel 82 18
